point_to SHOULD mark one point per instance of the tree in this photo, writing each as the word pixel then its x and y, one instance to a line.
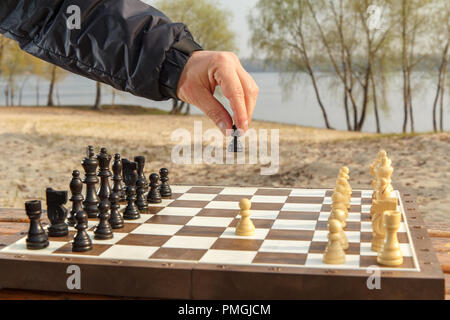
pixel 282 29
pixel 54 74
pixel 441 43
pixel 98 96
pixel 209 24
pixel 411 16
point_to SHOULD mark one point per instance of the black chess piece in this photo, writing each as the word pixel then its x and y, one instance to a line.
pixel 153 195
pixel 57 213
pixel 103 230
pixel 37 238
pixel 164 188
pixel 130 177
pixel 141 200
pixel 91 200
pixel 140 160
pixel 235 145
pixel 115 219
pixel 117 178
pixel 76 188
pixel 104 160
pixel 81 242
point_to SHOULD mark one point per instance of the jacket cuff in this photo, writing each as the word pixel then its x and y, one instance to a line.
pixel 173 66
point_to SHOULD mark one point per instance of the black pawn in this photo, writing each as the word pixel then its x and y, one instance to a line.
pixel 153 195
pixel 76 188
pixel 57 213
pixel 140 160
pixel 81 242
pixel 103 230
pixel 130 177
pixel 164 188
pixel 91 200
pixel 115 219
pixel 117 178
pixel 104 160
pixel 141 201
pixel 37 238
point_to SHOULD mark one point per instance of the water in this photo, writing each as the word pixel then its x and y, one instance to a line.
pixel 299 108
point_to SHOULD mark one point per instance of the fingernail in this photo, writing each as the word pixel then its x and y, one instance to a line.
pixel 222 126
pixel 245 127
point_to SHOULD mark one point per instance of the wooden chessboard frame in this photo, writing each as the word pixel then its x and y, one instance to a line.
pixel 202 281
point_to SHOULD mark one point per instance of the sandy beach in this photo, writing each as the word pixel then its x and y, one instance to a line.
pixel 39 148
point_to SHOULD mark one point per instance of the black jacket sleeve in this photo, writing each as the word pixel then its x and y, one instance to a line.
pixel 124 43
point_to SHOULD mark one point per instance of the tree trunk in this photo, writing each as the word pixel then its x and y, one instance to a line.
pixel 375 103
pixel 98 97
pixel 113 97
pixel 436 98
pixel 441 109
pixel 411 115
pixel 37 92
pixel 52 87
pixel 347 114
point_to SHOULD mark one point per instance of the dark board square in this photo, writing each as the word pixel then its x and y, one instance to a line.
pixel 153 210
pixel 225 213
pixel 319 247
pixel 208 190
pixel 315 200
pixel 366 261
pixel 188 204
pixel 272 192
pixel 178 254
pixel 355 208
pixel 197 231
pixel 127 227
pixel 365 216
pixel 280 258
pixel 97 249
pixel 367 237
pixel 259 223
pixel 237 244
pixel 356 194
pixel 67 238
pixel 175 196
pixel 230 197
pixel 144 240
pixel 266 206
pixel 351 226
pixel 298 215
pixel 366 201
pixel 299 235
pixel 178 220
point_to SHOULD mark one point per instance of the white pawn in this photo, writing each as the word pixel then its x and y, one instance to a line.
pixel 245 226
pixel 334 253
pixel 340 216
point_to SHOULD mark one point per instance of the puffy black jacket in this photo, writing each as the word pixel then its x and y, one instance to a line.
pixel 124 43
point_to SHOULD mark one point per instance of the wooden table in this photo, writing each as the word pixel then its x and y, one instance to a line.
pixel 13 222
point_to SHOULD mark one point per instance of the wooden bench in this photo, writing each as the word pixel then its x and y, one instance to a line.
pixel 14 221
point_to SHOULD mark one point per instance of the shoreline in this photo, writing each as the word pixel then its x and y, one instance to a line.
pixel 41 146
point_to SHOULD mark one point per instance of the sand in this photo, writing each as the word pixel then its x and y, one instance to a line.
pixel 39 148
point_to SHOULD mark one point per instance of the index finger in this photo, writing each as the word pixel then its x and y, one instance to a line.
pixel 231 86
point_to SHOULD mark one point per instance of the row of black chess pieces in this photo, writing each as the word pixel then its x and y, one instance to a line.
pixel 104 204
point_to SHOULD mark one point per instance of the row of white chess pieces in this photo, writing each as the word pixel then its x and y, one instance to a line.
pixel 384 216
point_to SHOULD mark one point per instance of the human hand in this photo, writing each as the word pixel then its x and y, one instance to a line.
pixel 207 69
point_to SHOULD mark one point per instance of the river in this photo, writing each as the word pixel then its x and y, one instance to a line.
pixel 300 107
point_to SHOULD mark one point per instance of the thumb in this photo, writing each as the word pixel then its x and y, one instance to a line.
pixel 214 110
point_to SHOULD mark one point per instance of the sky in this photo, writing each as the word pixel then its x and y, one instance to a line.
pixel 240 10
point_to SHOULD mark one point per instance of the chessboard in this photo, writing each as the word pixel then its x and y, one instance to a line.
pixel 186 248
